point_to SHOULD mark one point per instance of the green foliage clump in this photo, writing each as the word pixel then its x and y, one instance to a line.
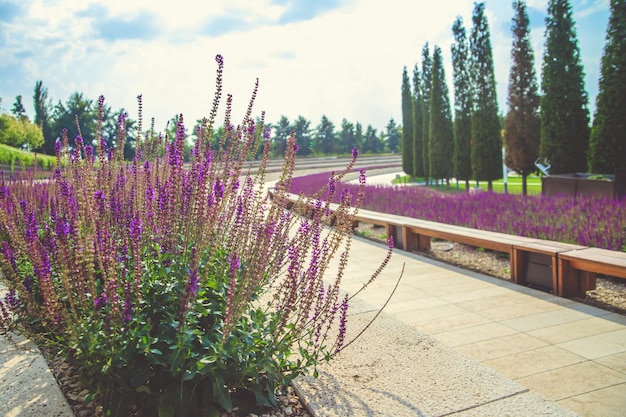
pixel 177 289
pixel 19 132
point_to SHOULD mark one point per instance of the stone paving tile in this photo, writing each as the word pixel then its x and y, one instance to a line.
pixel 530 362
pixel 472 335
pixel 605 402
pixel 598 346
pixel 577 330
pixel 451 323
pixel 615 362
pixel 545 319
pixel 573 380
pixel 501 346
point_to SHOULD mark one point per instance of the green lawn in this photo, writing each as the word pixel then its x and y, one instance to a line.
pixel 514 184
pixel 18 159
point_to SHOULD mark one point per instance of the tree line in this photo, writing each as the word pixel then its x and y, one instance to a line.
pixel 466 144
pixel 80 114
pixel 326 139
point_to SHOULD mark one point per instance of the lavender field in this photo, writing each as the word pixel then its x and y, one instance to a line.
pixel 590 222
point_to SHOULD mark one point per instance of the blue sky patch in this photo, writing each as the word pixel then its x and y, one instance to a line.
pixel 301 10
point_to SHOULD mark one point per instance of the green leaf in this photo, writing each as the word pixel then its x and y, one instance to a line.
pixel 220 392
pixel 168 400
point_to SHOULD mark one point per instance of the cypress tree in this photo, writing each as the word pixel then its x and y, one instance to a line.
pixel 441 136
pixel 407 124
pixel 43 108
pixel 461 155
pixel 427 75
pixel 564 114
pixel 522 126
pixel 418 165
pixel 607 146
pixel 486 140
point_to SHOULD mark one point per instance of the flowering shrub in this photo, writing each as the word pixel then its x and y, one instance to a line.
pixel 180 290
pixel 596 222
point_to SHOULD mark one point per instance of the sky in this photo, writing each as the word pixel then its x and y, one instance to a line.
pixel 339 58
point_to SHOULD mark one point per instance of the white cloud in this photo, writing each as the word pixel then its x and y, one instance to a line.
pixel 345 62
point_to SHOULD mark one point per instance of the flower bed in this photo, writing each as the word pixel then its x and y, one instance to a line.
pixel 597 222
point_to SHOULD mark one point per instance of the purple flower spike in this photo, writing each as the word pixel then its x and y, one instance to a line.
pixel 135 228
pixel 362 177
pixel 100 302
pixel 355 152
pixel 235 264
pixel 12 301
pixel 343 321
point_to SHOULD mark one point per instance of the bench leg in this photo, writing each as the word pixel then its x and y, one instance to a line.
pixel 397 234
pixel 519 261
pixel 414 241
pixel 574 283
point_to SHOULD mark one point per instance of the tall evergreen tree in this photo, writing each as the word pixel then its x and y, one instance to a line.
pixel 43 108
pixel 486 140
pixel 393 136
pixel 607 146
pixel 346 136
pixel 522 125
pixel 418 165
pixel 372 142
pixel 359 141
pixel 302 133
pixel 281 133
pixel 407 124
pixel 440 136
pixel 461 155
pixel 324 137
pixel 427 75
pixel 18 109
pixel 564 114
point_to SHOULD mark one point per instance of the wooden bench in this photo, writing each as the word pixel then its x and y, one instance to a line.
pixel 565 269
pixel 532 261
pixel 578 269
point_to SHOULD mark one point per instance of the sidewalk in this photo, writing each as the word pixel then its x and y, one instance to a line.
pixel 28 386
pixel 454 342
